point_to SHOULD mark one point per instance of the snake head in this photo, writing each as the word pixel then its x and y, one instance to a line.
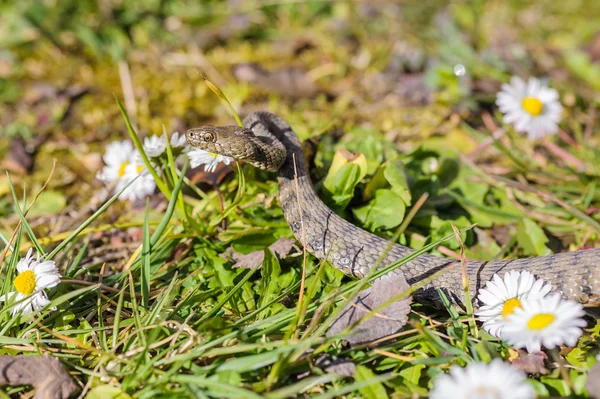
pixel 223 140
pixel 236 142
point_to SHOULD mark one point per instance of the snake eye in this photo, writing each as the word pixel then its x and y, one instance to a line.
pixel 208 137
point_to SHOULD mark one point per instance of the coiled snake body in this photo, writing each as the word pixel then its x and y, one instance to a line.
pixel 268 142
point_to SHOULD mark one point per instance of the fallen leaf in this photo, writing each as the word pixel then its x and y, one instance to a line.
pixel 199 175
pixel 234 25
pixel 20 156
pixel 280 248
pixel 386 322
pixel 250 260
pixel 331 364
pixel 531 363
pixel 46 374
pixel 290 82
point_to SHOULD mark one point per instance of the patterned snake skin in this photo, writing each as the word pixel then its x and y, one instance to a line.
pixel 268 142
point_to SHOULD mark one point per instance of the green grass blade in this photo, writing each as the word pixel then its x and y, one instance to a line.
pixel 24 222
pixel 89 221
pixel 145 277
pixel 140 147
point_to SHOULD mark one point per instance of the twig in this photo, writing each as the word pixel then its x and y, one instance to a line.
pixel 568 139
pixel 559 152
pixel 14 234
pixel 497 134
pixel 128 93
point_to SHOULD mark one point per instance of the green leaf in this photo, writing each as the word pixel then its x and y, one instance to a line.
pixel 539 388
pixel 385 211
pixel 558 384
pixel 48 202
pixel 145 269
pixel 580 64
pixel 269 287
pixel 375 390
pixel 346 171
pixel 106 392
pixel 532 238
pixel 375 183
pixel 395 174
pixel 413 373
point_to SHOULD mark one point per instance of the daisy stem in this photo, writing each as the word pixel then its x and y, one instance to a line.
pixel 564 372
pixel 465 281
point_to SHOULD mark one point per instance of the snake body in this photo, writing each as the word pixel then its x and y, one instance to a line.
pixel 268 142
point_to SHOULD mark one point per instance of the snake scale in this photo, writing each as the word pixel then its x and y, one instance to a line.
pixel 268 142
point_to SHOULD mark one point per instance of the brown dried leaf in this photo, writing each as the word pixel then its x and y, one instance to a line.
pixel 20 156
pixel 45 373
pixel 290 82
pixel 199 175
pixel 280 248
pixel 531 363
pixel 235 25
pixel 387 322
pixel 332 364
pixel 593 381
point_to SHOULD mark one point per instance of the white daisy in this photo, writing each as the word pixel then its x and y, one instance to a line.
pixel 123 164
pixel 116 157
pixel 501 297
pixel 496 380
pixel 530 107
pixel 33 277
pixel 141 188
pixel 178 140
pixel 155 146
pixel 208 159
pixel 547 322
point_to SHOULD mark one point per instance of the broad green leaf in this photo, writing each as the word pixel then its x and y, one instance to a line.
pixel 376 390
pixel 48 202
pixel 385 211
pixel 413 373
pixel 558 384
pixel 375 183
pixel 346 171
pixel 395 174
pixel 580 64
pixel 369 142
pixel 106 392
pixel 532 238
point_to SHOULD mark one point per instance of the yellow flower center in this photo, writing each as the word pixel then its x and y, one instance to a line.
pixel 509 306
pixel 25 282
pixel 140 168
pixel 532 105
pixel 122 169
pixel 214 155
pixel 540 321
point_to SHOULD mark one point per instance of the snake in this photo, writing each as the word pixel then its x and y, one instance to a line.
pixel 266 141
